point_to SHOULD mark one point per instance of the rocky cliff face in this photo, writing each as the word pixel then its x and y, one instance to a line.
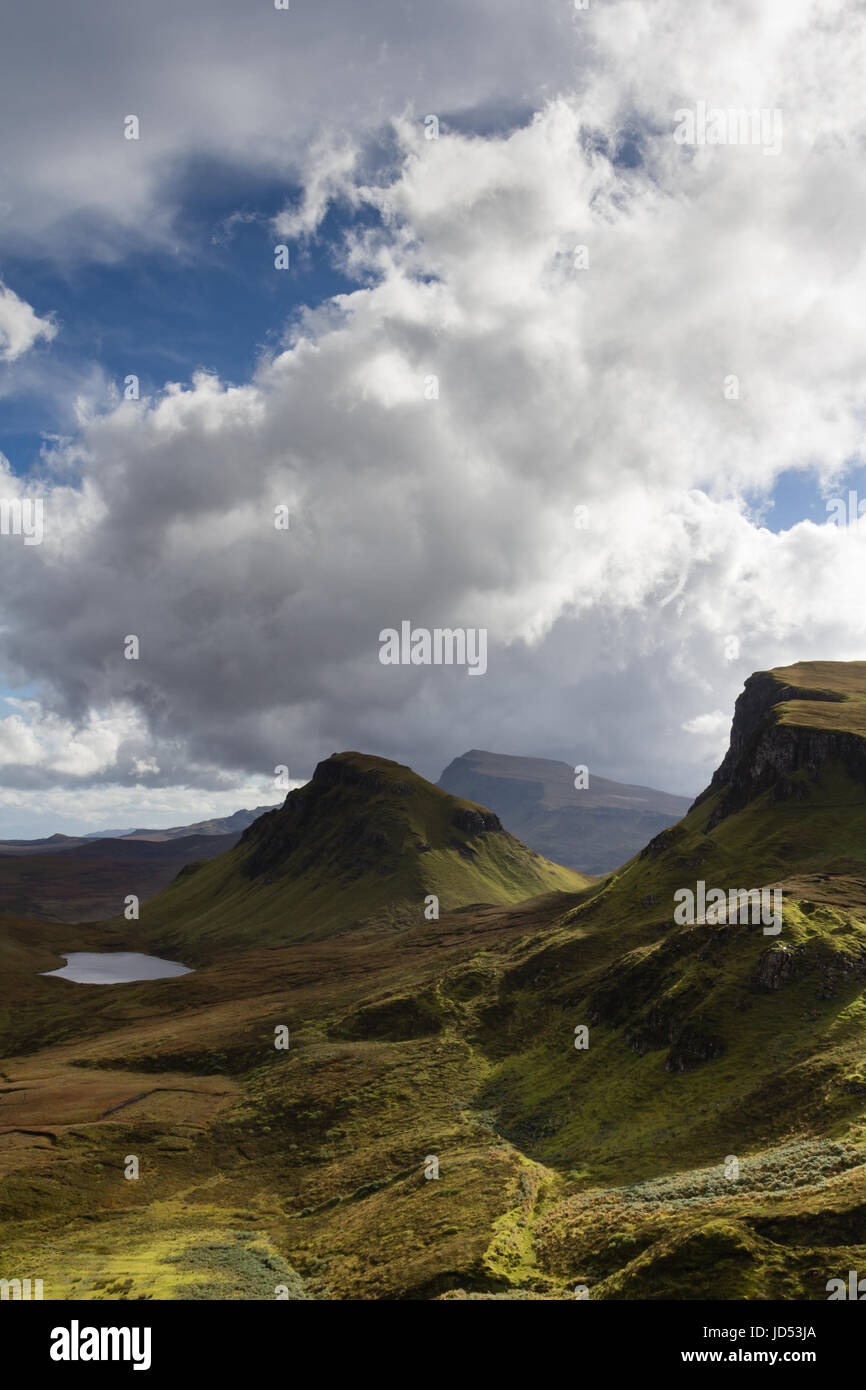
pixel 476 822
pixel 764 753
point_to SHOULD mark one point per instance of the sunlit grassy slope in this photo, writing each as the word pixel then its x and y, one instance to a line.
pixel 705 1037
pixel 366 839
pixel 846 680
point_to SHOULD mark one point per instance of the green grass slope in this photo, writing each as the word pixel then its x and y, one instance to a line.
pixel 364 842
pixel 707 1039
pixel 829 695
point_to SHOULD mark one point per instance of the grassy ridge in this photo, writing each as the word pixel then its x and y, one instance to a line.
pixel 844 680
pixel 365 842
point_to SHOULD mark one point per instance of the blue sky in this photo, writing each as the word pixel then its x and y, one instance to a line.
pixel 797 496
pixel 212 302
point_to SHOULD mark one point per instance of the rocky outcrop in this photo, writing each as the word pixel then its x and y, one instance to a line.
pixel 774 968
pixel 341 771
pixel 764 754
pixel 479 822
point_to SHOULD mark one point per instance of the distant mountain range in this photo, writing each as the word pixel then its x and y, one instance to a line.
pixel 88 877
pixel 593 830
pixel 67 880
pixel 85 878
pixel 221 825
pixel 224 825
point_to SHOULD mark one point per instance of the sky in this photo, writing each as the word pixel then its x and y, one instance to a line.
pixel 559 348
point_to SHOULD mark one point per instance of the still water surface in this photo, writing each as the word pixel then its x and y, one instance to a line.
pixel 115 967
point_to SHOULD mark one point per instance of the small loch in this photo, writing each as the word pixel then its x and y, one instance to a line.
pixel 115 967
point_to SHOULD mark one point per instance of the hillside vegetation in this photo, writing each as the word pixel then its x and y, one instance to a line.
pixel 709 1142
pixel 364 843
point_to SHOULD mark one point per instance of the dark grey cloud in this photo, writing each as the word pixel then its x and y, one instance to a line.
pixel 243 83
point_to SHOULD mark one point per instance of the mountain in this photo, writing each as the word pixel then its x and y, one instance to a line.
pixel 69 880
pixel 365 841
pixel 437 1124
pixel 592 830
pixel 220 825
pixel 49 845
pixel 711 1040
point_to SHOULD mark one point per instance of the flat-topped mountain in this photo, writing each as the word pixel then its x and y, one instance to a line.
pixel 788 724
pixel 593 829
pixel 363 840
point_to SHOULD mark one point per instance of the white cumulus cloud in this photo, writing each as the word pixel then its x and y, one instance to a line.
pixel 596 378
pixel 20 326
